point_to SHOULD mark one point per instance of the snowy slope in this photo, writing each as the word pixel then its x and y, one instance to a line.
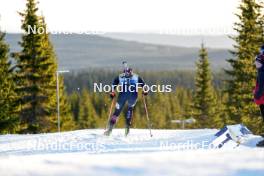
pixel 88 152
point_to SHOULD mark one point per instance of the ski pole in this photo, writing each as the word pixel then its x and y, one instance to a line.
pixel 110 113
pixel 146 110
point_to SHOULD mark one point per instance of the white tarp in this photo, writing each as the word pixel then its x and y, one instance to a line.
pixel 231 136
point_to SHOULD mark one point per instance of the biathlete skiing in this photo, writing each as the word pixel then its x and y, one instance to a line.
pixel 127 84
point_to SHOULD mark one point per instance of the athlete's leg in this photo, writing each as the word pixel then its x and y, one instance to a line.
pixel 121 100
pixel 131 104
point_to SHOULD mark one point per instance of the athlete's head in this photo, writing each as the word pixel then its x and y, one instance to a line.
pixel 127 71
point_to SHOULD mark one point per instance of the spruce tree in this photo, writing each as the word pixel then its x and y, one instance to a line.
pixel 184 97
pixel 50 62
pixel 239 105
pixel 155 111
pixel 67 119
pixel 221 119
pixel 204 98
pixel 88 116
pixel 36 75
pixel 8 118
pixel 75 105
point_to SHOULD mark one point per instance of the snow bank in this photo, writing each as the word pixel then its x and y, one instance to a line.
pixel 88 152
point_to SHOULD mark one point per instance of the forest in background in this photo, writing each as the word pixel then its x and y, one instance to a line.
pixel 28 99
pixel 177 78
pixel 177 104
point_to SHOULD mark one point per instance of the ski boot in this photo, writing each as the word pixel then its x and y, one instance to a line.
pixel 110 126
pixel 128 124
pixel 109 130
pixel 127 130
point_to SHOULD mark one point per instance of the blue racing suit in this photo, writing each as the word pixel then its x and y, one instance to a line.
pixel 128 94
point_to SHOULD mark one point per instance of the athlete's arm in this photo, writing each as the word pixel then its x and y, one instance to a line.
pixel 141 82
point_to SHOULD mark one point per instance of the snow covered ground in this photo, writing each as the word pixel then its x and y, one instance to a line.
pixel 88 152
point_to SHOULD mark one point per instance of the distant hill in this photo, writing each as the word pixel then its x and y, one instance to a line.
pixel 77 52
pixel 213 41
